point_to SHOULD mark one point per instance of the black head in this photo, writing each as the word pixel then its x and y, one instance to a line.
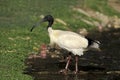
pixel 47 18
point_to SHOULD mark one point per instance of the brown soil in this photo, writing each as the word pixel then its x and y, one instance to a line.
pixel 115 4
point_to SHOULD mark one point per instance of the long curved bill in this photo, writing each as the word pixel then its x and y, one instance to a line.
pixel 35 25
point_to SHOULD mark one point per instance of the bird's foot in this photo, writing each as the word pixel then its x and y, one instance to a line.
pixel 76 72
pixel 64 71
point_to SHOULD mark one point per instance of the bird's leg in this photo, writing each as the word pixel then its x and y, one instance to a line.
pixel 76 64
pixel 67 64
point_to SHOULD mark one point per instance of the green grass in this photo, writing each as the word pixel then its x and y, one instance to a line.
pixel 16 19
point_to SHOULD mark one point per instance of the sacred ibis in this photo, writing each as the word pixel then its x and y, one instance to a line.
pixel 68 40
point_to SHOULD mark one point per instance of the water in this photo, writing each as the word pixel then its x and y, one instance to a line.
pixel 77 77
pixel 93 65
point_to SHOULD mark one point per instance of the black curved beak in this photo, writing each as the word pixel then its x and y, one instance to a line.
pixel 35 25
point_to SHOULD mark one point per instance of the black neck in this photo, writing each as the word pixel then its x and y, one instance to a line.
pixel 50 24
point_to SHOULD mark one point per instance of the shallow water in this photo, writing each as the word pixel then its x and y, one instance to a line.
pixel 77 77
pixel 93 65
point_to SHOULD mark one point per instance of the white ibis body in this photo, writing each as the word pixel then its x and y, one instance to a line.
pixel 68 40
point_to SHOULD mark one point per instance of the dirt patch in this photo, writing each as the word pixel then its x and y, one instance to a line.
pixel 115 4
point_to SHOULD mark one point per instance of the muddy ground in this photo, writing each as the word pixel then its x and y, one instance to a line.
pixel 93 65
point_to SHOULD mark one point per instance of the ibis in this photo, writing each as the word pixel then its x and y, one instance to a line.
pixel 68 40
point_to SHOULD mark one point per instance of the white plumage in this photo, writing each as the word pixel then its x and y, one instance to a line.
pixel 68 40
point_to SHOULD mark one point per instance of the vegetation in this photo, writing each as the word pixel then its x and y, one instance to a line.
pixel 16 19
pixel 101 6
